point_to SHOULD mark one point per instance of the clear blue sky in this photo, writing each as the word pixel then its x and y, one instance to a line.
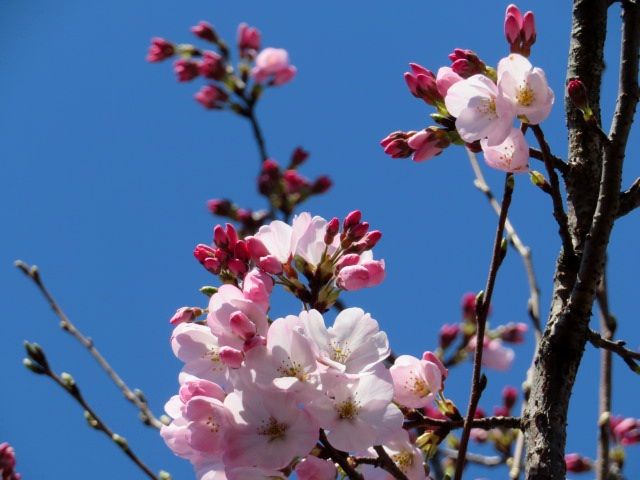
pixel 107 163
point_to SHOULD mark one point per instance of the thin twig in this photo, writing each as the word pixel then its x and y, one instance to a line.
pixel 607 330
pixel 515 241
pixel 617 347
pixel 146 415
pixel 38 363
pixel 629 199
pixel 556 195
pixel 257 133
pixel 478 382
pixel 492 461
pixel 339 457
pixel 388 464
pixel 486 423
pixel 557 162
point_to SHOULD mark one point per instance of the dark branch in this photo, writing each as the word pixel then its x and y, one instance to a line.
pixel 557 162
pixel 486 423
pixel 629 199
pixel 388 464
pixel 339 457
pixel 618 347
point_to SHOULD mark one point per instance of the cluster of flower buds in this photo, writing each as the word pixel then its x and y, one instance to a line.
pixel 8 462
pixel 626 431
pixel 477 104
pixel 228 255
pixel 520 30
pixel 248 221
pixel 576 463
pixel 287 188
pixel 270 66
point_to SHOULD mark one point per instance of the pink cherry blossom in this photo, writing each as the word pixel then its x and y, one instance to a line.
pixel 626 431
pixel 357 412
pixel 270 429
pixel 353 345
pixel 494 354
pixel 365 272
pixel 416 382
pixel 314 468
pixel 211 97
pixel 248 40
pixel 445 78
pixel 199 349
pixel 407 457
pixel 185 314
pixel 273 63
pixel 208 421
pixel 526 87
pixel 511 155
pixel 257 287
pixel 480 111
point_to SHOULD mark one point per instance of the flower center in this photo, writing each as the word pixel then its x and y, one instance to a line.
pixel 212 425
pixel 488 107
pixel 273 429
pixel 403 460
pixel 420 387
pixel 292 369
pixel 340 352
pixel 348 410
pixel 525 95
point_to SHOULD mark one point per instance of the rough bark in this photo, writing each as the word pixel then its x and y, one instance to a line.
pixel 593 185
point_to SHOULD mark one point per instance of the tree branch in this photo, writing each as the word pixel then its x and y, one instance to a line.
pixel 478 382
pixel 557 162
pixel 618 347
pixel 339 457
pixel 629 199
pixel 135 397
pixel 388 464
pixel 486 423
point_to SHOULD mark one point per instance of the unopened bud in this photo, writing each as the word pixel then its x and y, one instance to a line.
pixel 539 181
pixel 509 397
pixel 205 31
pixel 448 334
pixel 219 206
pixel 68 381
pixel 351 220
pixel 220 237
pixel 33 366
pixel 93 423
pixel 231 357
pixel 162 475
pixel 241 325
pixel 298 157
pixel 579 96
pixel 358 231
pixel 36 353
pixel 321 184
pixel 119 440
pixel 372 238
pixel 333 227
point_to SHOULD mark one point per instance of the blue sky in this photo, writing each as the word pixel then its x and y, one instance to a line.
pixel 107 164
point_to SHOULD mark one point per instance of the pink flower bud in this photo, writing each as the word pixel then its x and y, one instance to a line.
pixel 212 66
pixel 433 358
pixel 237 267
pixel 579 96
pixel 466 63
pixel 422 84
pixel 372 238
pixel 501 411
pixel 576 463
pixel 445 78
pixel 321 185
pixel 270 166
pixel 205 31
pixel 298 157
pixel 248 40
pixel 241 251
pixel 159 50
pixel 365 275
pixel 220 237
pixel 509 396
pixel 273 64
pixel 241 325
pixel 333 227
pixel 255 341
pixel 270 264
pixel 513 332
pixel 211 97
pixel 257 250
pixel 214 265
pixel 185 314
pixel 627 431
pixel 231 357
pixel 448 334
pixel 395 144
pixel 528 29
pixel 294 182
pixel 232 235
pixel 219 206
pixel 358 231
pixel 185 70
pixel 351 220
pixel 347 261
pixel 511 29
pixel 202 252
pixel 428 143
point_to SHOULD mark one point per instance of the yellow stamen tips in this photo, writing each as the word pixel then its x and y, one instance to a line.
pixel 273 429
pixel 292 369
pixel 525 95
pixel 212 425
pixel 488 107
pixel 403 460
pixel 348 410
pixel 420 387
pixel 340 352
pixel 212 354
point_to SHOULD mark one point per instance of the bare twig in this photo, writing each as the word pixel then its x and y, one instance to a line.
pixel 607 330
pixel 557 162
pixel 629 199
pixel 478 381
pixel 340 458
pixel 146 415
pixel 515 241
pixel 257 133
pixel 486 423
pixel 38 363
pixel 556 195
pixel 618 347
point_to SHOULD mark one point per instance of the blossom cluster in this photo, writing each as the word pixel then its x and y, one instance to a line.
pixel 476 104
pixel 266 67
pixel 8 462
pixel 260 397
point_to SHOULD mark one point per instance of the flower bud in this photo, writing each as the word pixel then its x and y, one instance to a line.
pixel 576 463
pixel 212 66
pixel 237 267
pixel 528 30
pixel 185 70
pixel 321 184
pixel 351 220
pixel 358 231
pixel 219 206
pixel 422 84
pixel 294 182
pixel 248 40
pixel 298 157
pixel 372 238
pixel 509 397
pixel 220 237
pixel 579 96
pixel 241 251
pixel 159 50
pixel 241 325
pixel 448 334
pixel 512 27
pixel 211 97
pixel 333 227
pixel 347 260
pixel 466 63
pixel 513 332
pixel 255 341
pixel 185 314
pixel 256 248
pixel 395 144
pixel 270 264
pixel 205 31
pixel 231 357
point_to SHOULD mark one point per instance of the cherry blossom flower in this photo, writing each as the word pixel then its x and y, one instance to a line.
pixel 208 421
pixel 314 468
pixel 480 111
pixel 353 345
pixel 526 87
pixel 416 381
pixel 494 354
pixel 407 457
pixel 185 314
pixel 364 272
pixel 626 431
pixel 445 78
pixel 199 349
pixel 270 429
pixel 357 412
pixel 273 63
pixel 511 155
pixel 428 143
